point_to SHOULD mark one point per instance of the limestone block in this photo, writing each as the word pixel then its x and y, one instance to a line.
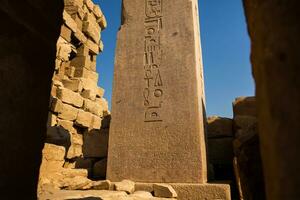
pixel 246 123
pixel 77 183
pixel 102 22
pixel 74 151
pixel 100 92
pixel 220 150
pixel 83 50
pixel 89 4
pixel 73 84
pixel 248 166
pixel 89 94
pixel 64 111
pixel 53 160
pixel 78 3
pixel 97 11
pixel 78 21
pixel 93 107
pixel 103 102
pixel 93 66
pixel 80 36
pixel 65 33
pixel 68 112
pixel 69 97
pixel 70 71
pixel 89 84
pixel 67 125
pixel 92 46
pixel 92 30
pixel 58 135
pixel 95 143
pixel 85 73
pixel 75 10
pixel 126 186
pixel 53 91
pixel 69 173
pixel 142 194
pixel 97 123
pixel 219 127
pixel 56 105
pixel 63 49
pixel 84 119
pixel 202 191
pixel 245 106
pixel 52 120
pixel 77 138
pixel 53 152
pixel 101 46
pixel 81 62
pixel 70 22
pixel 164 190
pixel 102 185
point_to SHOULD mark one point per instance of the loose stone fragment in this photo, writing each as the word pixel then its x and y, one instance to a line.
pixel 164 190
pixel 102 185
pixel 126 186
pixel 142 194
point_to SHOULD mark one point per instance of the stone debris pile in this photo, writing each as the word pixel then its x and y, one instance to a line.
pixel 79 187
pixel 78 122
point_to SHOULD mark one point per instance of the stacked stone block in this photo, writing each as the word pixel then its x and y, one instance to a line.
pixel 233 149
pixel 247 159
pixel 77 107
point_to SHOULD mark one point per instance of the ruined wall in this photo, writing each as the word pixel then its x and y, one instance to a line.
pixel 234 152
pixel 28 34
pixel 77 128
pixel 274 30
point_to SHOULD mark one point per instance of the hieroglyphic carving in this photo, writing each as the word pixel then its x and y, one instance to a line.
pixel 153 92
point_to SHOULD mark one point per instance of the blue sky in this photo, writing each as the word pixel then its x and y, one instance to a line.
pixel 225 46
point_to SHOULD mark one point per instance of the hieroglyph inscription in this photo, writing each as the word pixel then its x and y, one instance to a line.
pixel 153 92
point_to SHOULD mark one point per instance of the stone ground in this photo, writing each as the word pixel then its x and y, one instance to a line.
pixel 98 195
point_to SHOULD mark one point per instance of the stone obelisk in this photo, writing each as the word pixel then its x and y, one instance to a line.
pixel 158 105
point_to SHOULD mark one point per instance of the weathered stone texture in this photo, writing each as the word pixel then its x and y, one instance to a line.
pixel 158 104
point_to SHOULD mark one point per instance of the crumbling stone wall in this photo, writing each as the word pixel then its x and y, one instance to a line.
pixel 77 128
